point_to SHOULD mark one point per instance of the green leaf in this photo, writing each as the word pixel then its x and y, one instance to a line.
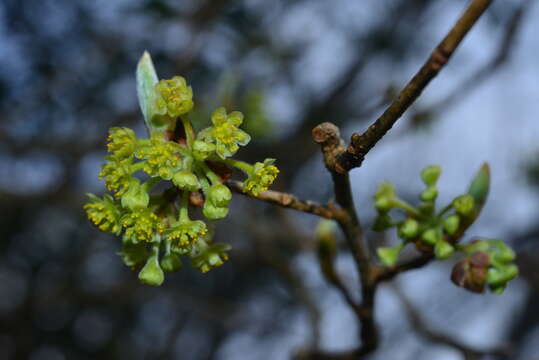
pixel 480 185
pixel 147 95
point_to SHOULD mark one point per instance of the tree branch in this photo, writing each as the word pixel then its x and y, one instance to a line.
pixel 328 136
pixel 360 145
pixel 290 201
pixel 382 273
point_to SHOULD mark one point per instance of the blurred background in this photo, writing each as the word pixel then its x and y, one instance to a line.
pixel 67 75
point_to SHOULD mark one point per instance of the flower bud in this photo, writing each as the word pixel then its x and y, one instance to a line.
pixel 409 229
pixel 171 263
pixel 470 273
pixel 385 197
pixel 502 253
pixel 213 212
pixel 463 204
pixel 502 274
pixel 325 234
pixel 151 273
pixel 219 195
pixel 202 149
pixel 443 250
pixel 430 175
pixel 430 236
pixel 429 194
pixel 451 224
pixel 136 197
pixel 389 255
pixel 186 180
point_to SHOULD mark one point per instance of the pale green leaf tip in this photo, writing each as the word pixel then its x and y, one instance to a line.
pixel 146 81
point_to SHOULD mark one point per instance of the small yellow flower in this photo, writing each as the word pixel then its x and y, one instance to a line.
pixel 117 174
pixel 187 232
pixel 212 256
pixel 141 225
pixel 122 142
pixel 225 132
pixel 261 178
pixel 175 97
pixel 104 213
pixel 162 157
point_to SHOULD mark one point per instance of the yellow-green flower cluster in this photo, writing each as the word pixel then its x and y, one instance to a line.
pixel 262 176
pixel 438 233
pixel 186 232
pixel 156 226
pixel 225 133
pixel 142 225
pixel 117 174
pixel 174 98
pixel 211 256
pixel 122 142
pixel 162 157
pixel 104 213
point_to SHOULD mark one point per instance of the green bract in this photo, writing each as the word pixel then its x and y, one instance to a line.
pixel 156 225
pixel 438 234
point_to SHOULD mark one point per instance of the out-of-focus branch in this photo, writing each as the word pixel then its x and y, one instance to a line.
pixel 486 71
pixel 433 335
pixel 289 201
pixel 360 145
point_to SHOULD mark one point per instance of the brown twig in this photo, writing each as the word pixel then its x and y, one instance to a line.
pixel 382 273
pixel 328 136
pixel 360 145
pixel 287 200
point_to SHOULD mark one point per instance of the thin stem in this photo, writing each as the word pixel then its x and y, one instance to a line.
pixel 445 209
pixel 213 177
pixel 403 205
pixel 137 166
pixel 188 162
pixel 189 131
pixel 242 165
pixel 360 145
pixel 184 207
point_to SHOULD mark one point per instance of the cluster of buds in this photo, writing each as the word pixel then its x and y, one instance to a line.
pixel 157 228
pixel 439 232
pixel 487 262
